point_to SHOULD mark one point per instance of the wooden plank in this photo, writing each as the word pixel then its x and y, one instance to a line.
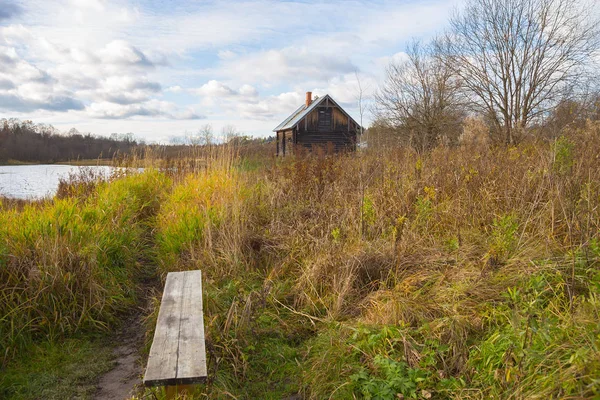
pixel 162 361
pixel 192 353
pixel 178 354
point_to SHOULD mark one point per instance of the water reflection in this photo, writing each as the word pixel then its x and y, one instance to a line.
pixel 38 181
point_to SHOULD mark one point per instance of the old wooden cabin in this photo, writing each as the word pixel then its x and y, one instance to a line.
pixel 317 123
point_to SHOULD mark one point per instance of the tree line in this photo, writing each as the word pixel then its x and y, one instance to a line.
pixel 519 68
pixel 29 142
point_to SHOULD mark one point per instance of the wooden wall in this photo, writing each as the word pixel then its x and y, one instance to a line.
pixel 311 121
pixel 285 142
pixel 326 126
pixel 341 135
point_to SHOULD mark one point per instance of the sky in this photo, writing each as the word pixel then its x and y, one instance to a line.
pixel 163 69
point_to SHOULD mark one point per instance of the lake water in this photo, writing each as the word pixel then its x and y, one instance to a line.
pixel 37 181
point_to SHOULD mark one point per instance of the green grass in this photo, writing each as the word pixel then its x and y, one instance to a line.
pixel 72 265
pixel 67 369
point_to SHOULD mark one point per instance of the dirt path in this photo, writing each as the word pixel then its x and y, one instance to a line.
pixel 124 379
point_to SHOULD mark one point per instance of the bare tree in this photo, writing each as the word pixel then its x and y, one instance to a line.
pixel 419 99
pixel 517 58
pixel 206 134
pixel 229 133
pixel 360 98
pixel 192 139
pixel 572 112
pixel 203 136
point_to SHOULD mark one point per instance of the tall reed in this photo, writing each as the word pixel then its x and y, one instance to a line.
pixel 71 264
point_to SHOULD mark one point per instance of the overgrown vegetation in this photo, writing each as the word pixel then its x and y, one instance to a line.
pixel 71 264
pixel 465 272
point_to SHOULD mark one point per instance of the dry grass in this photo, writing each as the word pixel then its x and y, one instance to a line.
pixel 469 271
pixel 435 244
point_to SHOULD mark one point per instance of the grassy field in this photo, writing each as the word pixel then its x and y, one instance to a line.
pixel 470 272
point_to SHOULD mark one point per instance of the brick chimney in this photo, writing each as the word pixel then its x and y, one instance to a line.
pixel 308 98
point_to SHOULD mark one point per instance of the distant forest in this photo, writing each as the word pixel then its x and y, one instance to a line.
pixel 26 141
pixel 29 142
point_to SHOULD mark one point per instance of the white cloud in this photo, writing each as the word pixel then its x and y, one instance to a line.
pixel 269 107
pixel 14 34
pixel 174 89
pixel 8 58
pixel 397 58
pixel 93 5
pixel 113 79
pixel 27 88
pixel 13 100
pixel 126 89
pixel 214 89
pixel 289 64
pixel 383 27
pixel 122 53
pixel 245 62
pixel 345 89
pixel 151 108
pixel 248 91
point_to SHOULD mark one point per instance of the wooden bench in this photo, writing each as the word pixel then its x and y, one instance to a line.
pixel 178 355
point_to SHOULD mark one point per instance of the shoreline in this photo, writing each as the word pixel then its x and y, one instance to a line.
pixel 77 163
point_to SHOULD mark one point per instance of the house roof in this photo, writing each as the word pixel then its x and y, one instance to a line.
pixel 297 116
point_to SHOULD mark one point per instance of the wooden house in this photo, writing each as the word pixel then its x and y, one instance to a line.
pixel 317 123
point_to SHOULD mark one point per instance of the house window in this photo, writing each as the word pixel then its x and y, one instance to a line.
pixel 324 119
